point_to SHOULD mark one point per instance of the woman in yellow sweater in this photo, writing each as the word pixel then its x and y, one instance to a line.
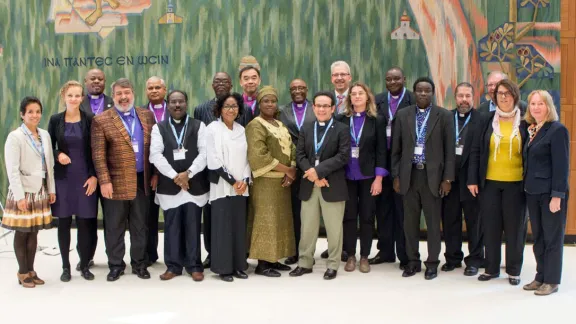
pixel 495 174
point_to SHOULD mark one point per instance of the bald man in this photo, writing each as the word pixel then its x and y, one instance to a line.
pixel 493 78
pixel 95 102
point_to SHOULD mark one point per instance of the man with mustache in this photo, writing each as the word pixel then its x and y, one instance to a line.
pixel 466 121
pixel 493 78
pixel 95 102
pixel 178 151
pixel 120 150
pixel 423 170
pixel 250 81
pixel 155 91
pixel 222 85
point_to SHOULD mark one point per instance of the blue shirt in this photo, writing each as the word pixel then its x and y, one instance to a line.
pixel 138 135
pixel 420 116
pixel 492 106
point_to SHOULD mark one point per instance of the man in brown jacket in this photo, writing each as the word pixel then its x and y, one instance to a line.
pixel 120 150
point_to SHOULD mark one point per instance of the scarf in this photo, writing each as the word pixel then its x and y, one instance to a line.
pixel 533 130
pixel 515 129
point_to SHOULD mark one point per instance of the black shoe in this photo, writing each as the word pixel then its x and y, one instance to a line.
pixel 65 277
pixel 431 273
pixel 514 281
pixel 280 267
pixel 86 274
pixel 470 271
pixel 486 277
pixel 207 262
pixel 90 265
pixel 403 266
pixel 450 267
pixel 267 272
pixel 299 271
pixel 141 273
pixel 114 274
pixel 330 274
pixel 291 260
pixel 344 256
pixel 410 271
pixel 379 260
pixel 240 274
pixel 324 254
pixel 227 277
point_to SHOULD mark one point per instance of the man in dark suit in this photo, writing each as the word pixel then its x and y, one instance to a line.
pixel 322 153
pixel 250 81
pixel 423 169
pixel 466 121
pixel 493 78
pixel 389 209
pixel 222 85
pixel 95 102
pixel 294 116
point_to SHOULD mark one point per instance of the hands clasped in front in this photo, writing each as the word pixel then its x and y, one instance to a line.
pixel 312 176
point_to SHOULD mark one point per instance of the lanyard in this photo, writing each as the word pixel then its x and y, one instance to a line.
pixel 459 131
pixel 420 130
pixel 390 109
pixel 131 129
pixel 303 115
pixel 154 112
pixel 353 132
pixel 253 106
pixel 99 107
pixel 38 148
pixel 317 145
pixel 180 138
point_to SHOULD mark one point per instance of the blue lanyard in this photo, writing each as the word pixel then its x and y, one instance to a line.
pixel 131 129
pixel 353 132
pixel 420 130
pixel 179 138
pixel 38 148
pixel 253 106
pixel 317 145
pixel 459 131
pixel 303 115
pixel 399 101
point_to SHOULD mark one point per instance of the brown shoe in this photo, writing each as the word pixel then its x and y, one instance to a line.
pixel 197 276
pixel 534 285
pixel 25 280
pixel 34 276
pixel 364 265
pixel 168 275
pixel 546 289
pixel 350 264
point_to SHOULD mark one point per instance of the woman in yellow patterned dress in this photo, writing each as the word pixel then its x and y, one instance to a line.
pixel 272 158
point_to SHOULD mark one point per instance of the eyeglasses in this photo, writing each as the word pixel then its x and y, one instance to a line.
pixel 504 94
pixel 490 85
pixel 221 82
pixel 294 89
pixel 323 106
pixel 340 75
pixel 230 107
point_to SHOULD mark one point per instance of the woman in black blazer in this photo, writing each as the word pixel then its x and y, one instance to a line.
pixel 75 177
pixel 546 163
pixel 364 172
pixel 495 174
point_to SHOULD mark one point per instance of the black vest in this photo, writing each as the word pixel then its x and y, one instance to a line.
pixel 199 184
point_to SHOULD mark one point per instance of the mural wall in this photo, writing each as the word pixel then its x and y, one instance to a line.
pixel 44 43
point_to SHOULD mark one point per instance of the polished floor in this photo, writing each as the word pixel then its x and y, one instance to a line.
pixel 381 296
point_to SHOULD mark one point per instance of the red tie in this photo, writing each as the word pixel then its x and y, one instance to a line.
pixel 340 102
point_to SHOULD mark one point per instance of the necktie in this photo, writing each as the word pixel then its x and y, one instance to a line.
pixel 339 107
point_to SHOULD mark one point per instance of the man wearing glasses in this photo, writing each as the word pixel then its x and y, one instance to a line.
pixel 493 78
pixel 341 79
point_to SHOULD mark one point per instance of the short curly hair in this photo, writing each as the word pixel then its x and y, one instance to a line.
pixel 217 110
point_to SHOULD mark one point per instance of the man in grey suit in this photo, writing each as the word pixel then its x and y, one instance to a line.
pixel 95 102
pixel 423 168
pixel 493 78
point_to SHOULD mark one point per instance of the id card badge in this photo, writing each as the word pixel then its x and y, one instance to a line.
pixel 389 130
pixel 459 149
pixel 317 162
pixel 135 146
pixel 355 152
pixel 43 174
pixel 179 154
pixel 419 149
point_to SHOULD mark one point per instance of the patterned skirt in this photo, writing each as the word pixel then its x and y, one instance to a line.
pixel 37 216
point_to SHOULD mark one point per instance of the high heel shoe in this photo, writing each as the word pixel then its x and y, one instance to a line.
pixel 25 280
pixel 34 276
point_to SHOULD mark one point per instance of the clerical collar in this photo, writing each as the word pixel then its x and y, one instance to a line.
pixel 176 121
pixel 127 112
pixel 158 106
pixel 360 114
pixel 461 115
pixel 299 105
pixel 95 96
pixel 321 123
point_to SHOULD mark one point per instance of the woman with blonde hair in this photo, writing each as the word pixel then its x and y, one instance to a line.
pixel 546 169
pixel 364 172
pixel 76 182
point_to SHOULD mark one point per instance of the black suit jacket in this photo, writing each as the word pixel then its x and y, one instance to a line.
pixel 476 119
pixel 56 128
pixel 439 144
pixel 85 105
pixel 373 146
pixel 289 120
pixel 249 115
pixel 480 150
pixel 547 161
pixel 485 107
pixel 334 155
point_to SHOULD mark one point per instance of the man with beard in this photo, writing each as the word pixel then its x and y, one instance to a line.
pixel 95 102
pixel 389 209
pixel 250 81
pixel 423 170
pixel 120 150
pixel 295 115
pixel 155 91
pixel 466 121
pixel 222 85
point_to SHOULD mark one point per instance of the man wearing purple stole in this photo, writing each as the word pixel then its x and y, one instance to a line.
pixel 95 102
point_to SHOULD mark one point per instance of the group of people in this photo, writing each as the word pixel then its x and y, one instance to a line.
pixel 261 176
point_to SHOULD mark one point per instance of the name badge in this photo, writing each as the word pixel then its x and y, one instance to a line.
pixel 459 149
pixel 388 131
pixel 355 152
pixel 43 174
pixel 317 162
pixel 135 146
pixel 419 149
pixel 179 155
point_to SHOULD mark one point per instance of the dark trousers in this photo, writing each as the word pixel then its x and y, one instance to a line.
pixel 390 223
pixel 418 198
pixel 453 206
pixel 87 238
pixel 360 206
pixel 182 238
pixel 207 222
pixel 153 217
pixel 548 234
pixel 135 213
pixel 296 207
pixel 229 234
pixel 502 208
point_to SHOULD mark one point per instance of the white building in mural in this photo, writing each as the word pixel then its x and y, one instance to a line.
pixel 405 31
